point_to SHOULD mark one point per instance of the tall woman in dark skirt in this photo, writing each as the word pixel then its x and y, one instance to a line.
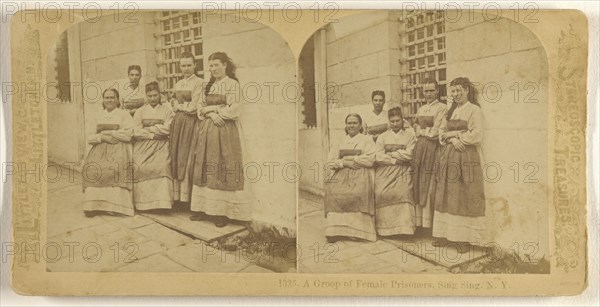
pixel 188 92
pixel 219 190
pixel 349 190
pixel 429 120
pixel 459 196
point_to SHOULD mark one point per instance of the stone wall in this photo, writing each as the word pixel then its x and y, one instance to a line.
pixel 499 57
pixel 362 56
pixel 266 69
pixel 264 62
pixel 107 49
pixel 63 141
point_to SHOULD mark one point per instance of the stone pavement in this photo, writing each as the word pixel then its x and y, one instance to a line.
pixel 406 254
pixel 76 243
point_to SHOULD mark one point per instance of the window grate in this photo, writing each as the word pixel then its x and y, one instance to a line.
pixel 419 34
pixel 178 32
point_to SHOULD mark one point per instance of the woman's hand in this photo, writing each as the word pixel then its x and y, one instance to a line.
pixel 218 120
pixel 208 109
pixel 417 130
pixel 160 137
pixel 109 139
pixel 446 136
pixel 351 164
pixel 458 144
pixel 176 106
pixel 452 134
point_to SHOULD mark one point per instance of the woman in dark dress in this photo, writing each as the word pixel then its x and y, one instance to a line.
pixel 459 196
pixel 219 191
pixel 184 127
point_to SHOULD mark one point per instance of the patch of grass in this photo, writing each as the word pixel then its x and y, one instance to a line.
pixel 268 247
pixel 506 262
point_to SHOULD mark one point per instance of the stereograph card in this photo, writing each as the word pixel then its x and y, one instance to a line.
pixel 422 151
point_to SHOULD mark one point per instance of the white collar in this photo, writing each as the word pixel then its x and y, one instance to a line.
pixel 222 79
pixel 458 109
pixel 433 102
pixel 190 77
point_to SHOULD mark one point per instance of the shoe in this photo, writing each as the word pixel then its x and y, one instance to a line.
pixel 333 239
pixel 463 247
pixel 90 213
pixel 221 221
pixel 198 217
pixel 440 243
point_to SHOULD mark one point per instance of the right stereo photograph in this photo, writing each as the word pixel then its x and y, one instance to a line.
pixel 424 146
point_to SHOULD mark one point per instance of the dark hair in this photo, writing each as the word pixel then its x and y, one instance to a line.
pixel 134 67
pixel 359 121
pixel 229 70
pixel 378 92
pixel 464 83
pixel 114 90
pixel 434 82
pixel 187 55
pixel 396 111
pixel 152 86
pixel 430 81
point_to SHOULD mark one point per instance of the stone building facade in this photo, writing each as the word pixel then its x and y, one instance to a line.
pixel 100 52
pixel 508 65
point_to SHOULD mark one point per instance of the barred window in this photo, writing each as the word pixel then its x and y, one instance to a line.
pixel 179 31
pixel 441 42
pixel 431 61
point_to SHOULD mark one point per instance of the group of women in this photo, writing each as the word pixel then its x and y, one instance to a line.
pixel 429 175
pixel 187 150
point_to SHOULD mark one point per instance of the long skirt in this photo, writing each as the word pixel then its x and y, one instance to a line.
pixel 350 204
pixel 218 184
pixel 184 131
pixel 394 205
pixel 459 196
pixel 153 186
pixel 107 179
pixel 425 163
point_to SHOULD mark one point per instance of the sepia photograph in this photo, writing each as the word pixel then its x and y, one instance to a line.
pixel 169 139
pixel 322 152
pixel 428 139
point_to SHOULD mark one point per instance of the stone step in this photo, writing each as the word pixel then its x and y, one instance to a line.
pixel 202 230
